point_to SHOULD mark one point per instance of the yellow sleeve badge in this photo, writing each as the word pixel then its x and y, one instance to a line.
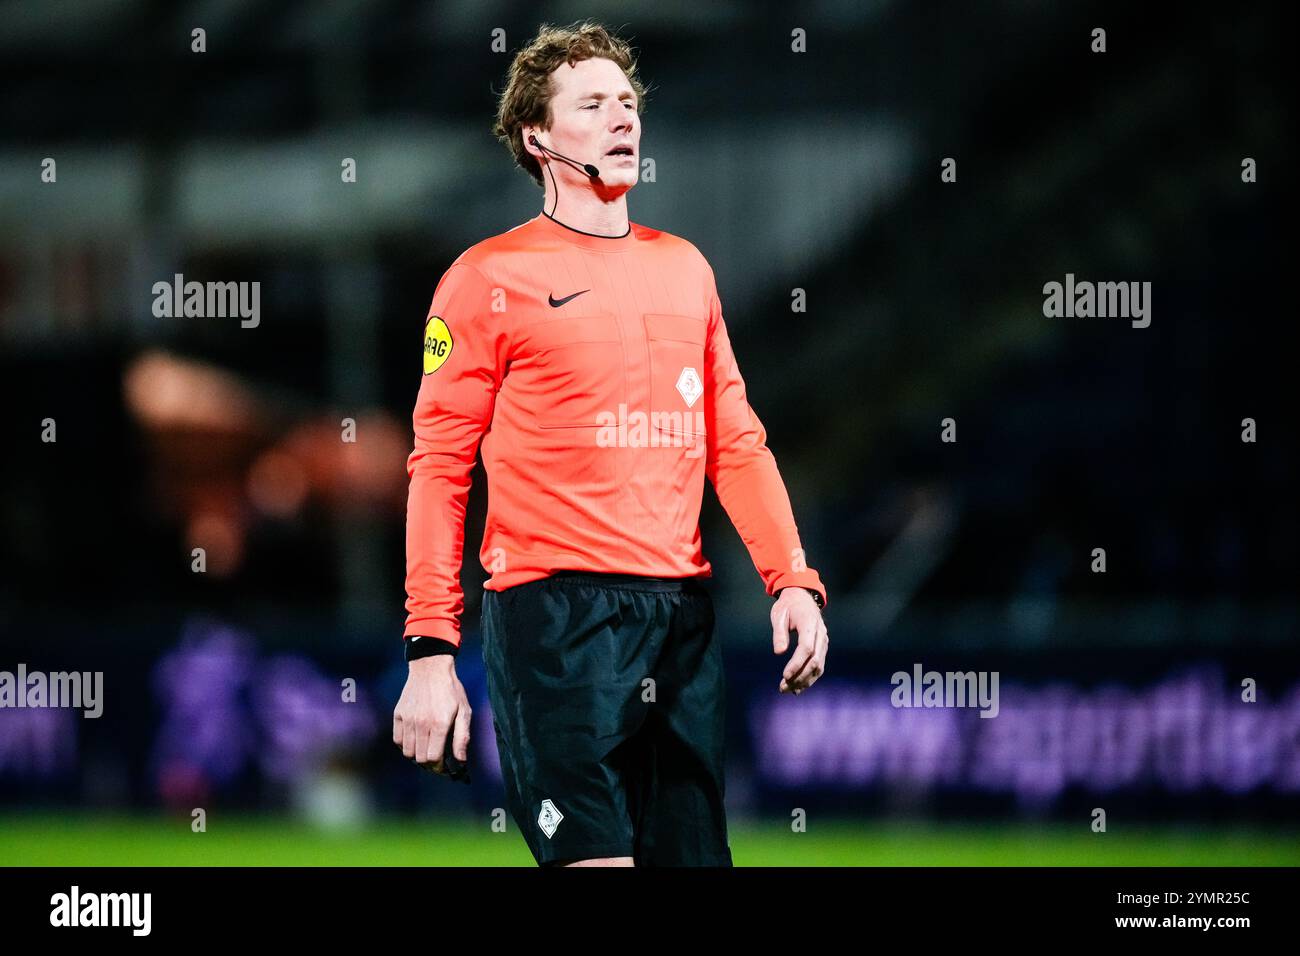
pixel 437 344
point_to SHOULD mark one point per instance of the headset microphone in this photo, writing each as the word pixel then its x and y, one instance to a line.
pixel 587 168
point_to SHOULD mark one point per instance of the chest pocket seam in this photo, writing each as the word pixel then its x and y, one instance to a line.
pixel 675 328
pixel 596 334
pixel 675 342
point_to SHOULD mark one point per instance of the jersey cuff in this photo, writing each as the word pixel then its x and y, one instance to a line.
pixel 808 580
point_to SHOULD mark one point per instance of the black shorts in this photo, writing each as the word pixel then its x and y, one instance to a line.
pixel 607 697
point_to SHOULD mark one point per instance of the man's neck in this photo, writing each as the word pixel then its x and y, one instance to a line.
pixel 586 212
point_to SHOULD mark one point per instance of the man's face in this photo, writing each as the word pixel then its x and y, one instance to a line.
pixel 593 111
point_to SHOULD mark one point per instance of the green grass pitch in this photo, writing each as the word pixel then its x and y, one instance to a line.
pixel 45 840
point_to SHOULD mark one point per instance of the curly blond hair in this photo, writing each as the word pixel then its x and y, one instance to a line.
pixel 526 100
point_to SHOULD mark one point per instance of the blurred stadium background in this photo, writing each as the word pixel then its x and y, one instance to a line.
pixel 818 171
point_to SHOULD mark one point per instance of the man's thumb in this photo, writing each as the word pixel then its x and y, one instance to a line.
pixel 460 735
pixel 781 633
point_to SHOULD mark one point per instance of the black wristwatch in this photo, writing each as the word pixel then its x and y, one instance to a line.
pixel 418 646
pixel 817 596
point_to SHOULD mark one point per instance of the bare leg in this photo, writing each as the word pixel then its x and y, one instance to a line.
pixel 603 861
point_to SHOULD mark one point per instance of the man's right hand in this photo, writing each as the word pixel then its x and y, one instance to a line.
pixel 433 703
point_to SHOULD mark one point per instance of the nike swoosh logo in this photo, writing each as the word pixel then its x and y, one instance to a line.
pixel 556 303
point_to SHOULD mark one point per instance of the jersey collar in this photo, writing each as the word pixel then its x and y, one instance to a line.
pixel 586 240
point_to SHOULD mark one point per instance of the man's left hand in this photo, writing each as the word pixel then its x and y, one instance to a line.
pixel 795 610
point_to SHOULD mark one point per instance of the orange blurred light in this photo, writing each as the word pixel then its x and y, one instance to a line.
pixel 221 538
pixel 277 484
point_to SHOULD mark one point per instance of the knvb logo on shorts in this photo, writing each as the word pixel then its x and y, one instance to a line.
pixel 211 300
pixel 549 818
pixel 638 429
pixel 76 690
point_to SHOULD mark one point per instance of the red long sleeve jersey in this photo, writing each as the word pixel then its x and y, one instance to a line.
pixel 597 374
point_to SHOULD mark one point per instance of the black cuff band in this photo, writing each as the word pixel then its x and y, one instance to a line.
pixel 816 595
pixel 418 646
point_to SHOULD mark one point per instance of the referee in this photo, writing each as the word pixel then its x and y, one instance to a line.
pixel 588 356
